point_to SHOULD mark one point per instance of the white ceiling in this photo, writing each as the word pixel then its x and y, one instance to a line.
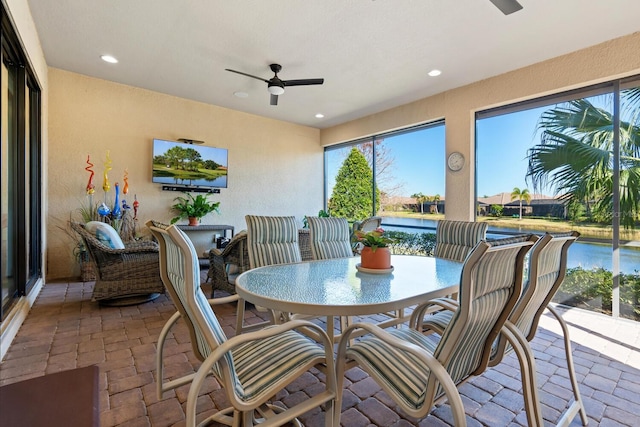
pixel 373 54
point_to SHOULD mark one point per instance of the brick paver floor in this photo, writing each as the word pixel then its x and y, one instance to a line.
pixel 65 330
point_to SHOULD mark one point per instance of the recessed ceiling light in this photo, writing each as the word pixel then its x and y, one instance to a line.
pixel 110 59
pixel 241 94
pixel 434 73
pixel 319 115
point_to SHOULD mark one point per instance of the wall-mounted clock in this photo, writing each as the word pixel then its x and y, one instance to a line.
pixel 455 161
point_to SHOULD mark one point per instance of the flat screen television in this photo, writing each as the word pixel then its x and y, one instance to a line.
pixel 189 165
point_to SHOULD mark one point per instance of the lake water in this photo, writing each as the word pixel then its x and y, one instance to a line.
pixel 587 255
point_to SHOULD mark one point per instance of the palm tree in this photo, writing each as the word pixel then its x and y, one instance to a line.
pixel 436 199
pixel 420 198
pixel 521 195
pixel 575 155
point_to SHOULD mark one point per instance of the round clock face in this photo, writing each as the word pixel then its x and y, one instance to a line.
pixel 455 161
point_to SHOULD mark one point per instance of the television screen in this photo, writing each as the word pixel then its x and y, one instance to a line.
pixel 178 163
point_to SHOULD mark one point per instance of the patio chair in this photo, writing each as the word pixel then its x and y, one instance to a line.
pixel 455 239
pixel 368 224
pixel 226 264
pixel 126 274
pixel 416 371
pixel 546 271
pixel 330 238
pixel 251 368
pixel 270 240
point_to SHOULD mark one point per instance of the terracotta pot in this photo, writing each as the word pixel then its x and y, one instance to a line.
pixel 193 221
pixel 378 259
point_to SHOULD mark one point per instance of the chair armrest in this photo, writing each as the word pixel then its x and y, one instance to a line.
pixel 223 300
pixel 427 307
pixel 215 252
pixel 141 246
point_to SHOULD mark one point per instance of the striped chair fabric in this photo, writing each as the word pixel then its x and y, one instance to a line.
pixel 455 239
pixel 257 365
pixel 490 285
pixel 330 238
pixel 546 270
pixel 272 240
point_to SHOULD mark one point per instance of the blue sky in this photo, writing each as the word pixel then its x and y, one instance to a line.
pixel 502 142
pixel 419 158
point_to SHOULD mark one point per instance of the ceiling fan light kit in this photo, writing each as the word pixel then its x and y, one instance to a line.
pixel 275 90
pixel 275 86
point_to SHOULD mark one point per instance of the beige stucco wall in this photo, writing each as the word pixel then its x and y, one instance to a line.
pixel 613 59
pixel 275 168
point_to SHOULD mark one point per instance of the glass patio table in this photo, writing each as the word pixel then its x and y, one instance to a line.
pixel 335 287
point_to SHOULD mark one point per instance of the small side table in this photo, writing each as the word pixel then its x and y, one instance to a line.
pixel 204 236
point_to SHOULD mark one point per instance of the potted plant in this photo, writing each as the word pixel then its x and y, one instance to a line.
pixel 375 253
pixel 193 208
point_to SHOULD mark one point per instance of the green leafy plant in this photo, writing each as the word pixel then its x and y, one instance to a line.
pixel 373 239
pixel 321 214
pixel 193 207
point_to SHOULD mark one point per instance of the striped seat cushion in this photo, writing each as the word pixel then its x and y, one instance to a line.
pixel 272 240
pixel 400 371
pixel 455 239
pixel 179 289
pixel 261 363
pixel 330 237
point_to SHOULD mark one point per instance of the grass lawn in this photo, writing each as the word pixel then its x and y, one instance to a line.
pixel 586 230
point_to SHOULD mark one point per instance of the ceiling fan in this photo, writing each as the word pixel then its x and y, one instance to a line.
pixel 507 6
pixel 275 86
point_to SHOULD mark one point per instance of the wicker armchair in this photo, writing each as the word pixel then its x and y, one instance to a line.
pixel 228 263
pixel 123 276
pixel 304 241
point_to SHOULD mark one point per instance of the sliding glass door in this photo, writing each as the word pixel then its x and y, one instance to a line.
pixel 20 181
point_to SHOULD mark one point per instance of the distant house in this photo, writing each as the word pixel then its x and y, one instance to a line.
pixel 397 203
pixel 541 205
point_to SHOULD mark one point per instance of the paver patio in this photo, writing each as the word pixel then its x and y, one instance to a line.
pixel 65 330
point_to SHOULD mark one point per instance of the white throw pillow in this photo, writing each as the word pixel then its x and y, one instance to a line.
pixel 105 233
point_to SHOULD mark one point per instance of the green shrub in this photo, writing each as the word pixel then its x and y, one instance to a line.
pixel 593 290
pixel 412 243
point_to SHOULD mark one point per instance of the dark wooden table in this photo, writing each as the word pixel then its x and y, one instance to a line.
pixel 65 399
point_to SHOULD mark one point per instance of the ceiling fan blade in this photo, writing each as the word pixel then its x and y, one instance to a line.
pixel 507 6
pixel 248 75
pixel 274 100
pixel 303 82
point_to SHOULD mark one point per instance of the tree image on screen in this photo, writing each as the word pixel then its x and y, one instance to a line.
pixel 187 165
